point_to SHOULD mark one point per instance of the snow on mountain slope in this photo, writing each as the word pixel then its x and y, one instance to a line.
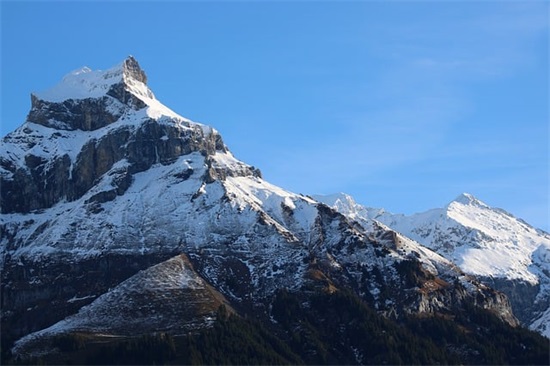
pixel 480 239
pixel 483 241
pixel 542 324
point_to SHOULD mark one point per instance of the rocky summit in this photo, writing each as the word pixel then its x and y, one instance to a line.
pixel 121 219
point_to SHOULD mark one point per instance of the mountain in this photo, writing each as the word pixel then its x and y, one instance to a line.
pixel 121 219
pixel 489 243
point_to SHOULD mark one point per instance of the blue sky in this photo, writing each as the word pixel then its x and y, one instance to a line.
pixel 403 105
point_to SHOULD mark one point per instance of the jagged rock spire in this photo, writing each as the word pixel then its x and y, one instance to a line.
pixel 131 69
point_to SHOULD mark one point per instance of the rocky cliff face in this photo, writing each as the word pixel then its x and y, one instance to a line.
pixel 103 181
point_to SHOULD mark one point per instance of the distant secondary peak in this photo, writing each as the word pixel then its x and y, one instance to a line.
pixel 336 198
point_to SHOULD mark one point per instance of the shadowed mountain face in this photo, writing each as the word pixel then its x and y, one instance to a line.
pixel 167 297
pixel 121 217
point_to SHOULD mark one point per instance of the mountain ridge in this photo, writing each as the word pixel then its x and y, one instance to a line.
pixel 486 242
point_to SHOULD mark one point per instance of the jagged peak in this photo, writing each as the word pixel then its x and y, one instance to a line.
pixel 334 198
pixel 346 204
pixel 87 99
pixel 84 83
pixel 132 70
pixel 341 201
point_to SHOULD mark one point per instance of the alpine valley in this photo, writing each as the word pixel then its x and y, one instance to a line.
pixel 131 235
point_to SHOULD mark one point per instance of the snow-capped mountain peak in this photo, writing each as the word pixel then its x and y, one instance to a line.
pixel 109 114
pixel 86 83
pixel 98 98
